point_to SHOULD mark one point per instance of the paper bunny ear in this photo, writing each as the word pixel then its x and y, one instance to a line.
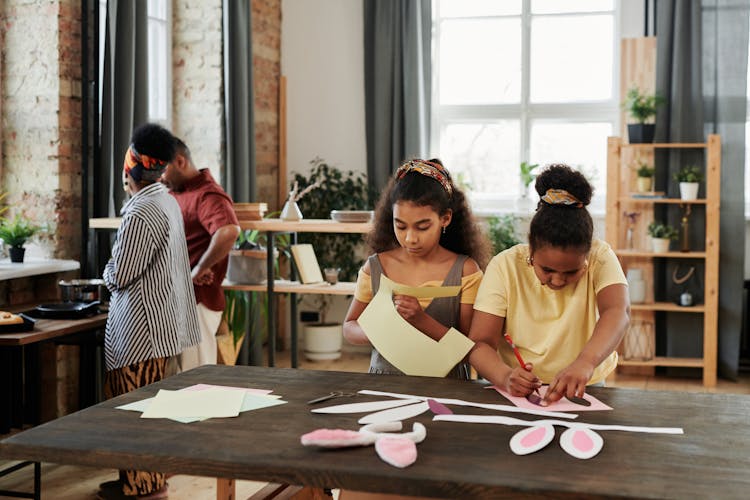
pixel 581 442
pixel 531 439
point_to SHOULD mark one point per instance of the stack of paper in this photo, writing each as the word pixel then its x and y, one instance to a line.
pixel 203 401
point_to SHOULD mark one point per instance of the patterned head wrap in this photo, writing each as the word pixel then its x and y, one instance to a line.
pixel 143 167
pixel 429 169
pixel 561 197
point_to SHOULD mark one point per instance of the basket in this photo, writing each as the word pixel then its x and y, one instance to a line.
pixel 247 267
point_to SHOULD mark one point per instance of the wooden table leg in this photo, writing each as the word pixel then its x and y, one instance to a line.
pixel 225 489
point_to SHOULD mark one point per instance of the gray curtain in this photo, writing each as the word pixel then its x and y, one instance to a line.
pixel 702 73
pixel 398 77
pixel 124 106
pixel 239 173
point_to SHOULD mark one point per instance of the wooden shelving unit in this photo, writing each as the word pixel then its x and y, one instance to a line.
pixel 620 199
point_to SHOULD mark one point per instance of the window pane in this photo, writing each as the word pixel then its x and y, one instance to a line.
pixel 581 145
pixel 484 155
pixel 157 76
pixel 571 58
pixel 462 8
pixel 556 6
pixel 480 61
pixel 157 9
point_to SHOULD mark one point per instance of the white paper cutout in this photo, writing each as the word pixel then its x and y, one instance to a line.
pixel 532 439
pixel 460 402
pixel 581 442
pixel 496 419
pixel 395 414
pixel 369 406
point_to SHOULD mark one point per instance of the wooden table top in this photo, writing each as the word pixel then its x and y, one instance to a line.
pixel 457 460
pixel 47 329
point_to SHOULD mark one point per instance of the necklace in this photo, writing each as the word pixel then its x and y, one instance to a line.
pixel 683 279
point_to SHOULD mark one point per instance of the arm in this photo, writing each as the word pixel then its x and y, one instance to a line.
pixel 614 316
pixel 486 332
pixel 221 243
pixel 131 254
pixel 353 333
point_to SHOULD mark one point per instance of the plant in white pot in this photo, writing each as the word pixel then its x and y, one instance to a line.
pixel 641 108
pixel 661 235
pixel 645 177
pixel 689 177
pixel 323 340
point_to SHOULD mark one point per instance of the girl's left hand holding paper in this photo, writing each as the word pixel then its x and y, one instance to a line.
pixel 409 308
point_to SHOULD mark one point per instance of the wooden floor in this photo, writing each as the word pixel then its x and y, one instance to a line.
pixel 65 482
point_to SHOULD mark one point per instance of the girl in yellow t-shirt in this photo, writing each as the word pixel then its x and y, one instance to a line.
pixel 424 234
pixel 562 299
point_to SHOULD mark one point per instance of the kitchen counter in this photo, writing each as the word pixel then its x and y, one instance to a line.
pixel 35 266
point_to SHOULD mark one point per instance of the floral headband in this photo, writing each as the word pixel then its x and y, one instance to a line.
pixel 141 166
pixel 561 197
pixel 429 169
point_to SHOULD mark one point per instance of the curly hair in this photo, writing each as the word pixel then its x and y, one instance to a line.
pixel 462 235
pixel 559 225
pixel 154 140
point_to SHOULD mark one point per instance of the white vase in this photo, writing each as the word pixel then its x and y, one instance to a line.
pixel 660 245
pixel 291 211
pixel 323 341
pixel 636 286
pixel 689 190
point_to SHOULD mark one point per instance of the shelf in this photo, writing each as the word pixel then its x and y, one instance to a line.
pixel 673 201
pixel 286 286
pixel 667 306
pixel 668 145
pixel 648 253
pixel 307 226
pixel 664 361
pixel 34 267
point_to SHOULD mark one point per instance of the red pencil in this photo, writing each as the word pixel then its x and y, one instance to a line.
pixel 515 350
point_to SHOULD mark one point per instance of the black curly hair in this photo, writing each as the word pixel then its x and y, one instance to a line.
pixel 557 225
pixel 155 141
pixel 462 236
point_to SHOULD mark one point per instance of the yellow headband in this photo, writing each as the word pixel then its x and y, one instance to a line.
pixel 561 197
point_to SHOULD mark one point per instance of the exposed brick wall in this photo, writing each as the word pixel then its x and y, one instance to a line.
pixel 41 124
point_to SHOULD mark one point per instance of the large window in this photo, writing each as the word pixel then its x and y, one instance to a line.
pixel 523 80
pixel 159 58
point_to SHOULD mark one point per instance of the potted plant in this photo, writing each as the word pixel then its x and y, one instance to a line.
pixel 526 176
pixel 661 234
pixel 14 232
pixel 642 109
pixel 501 231
pixel 338 190
pixel 645 177
pixel 689 178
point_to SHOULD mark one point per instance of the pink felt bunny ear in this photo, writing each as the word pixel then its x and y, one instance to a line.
pixel 397 451
pixel 581 442
pixel 531 439
pixel 337 438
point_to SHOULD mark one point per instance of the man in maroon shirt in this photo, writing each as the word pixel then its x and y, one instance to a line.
pixel 211 228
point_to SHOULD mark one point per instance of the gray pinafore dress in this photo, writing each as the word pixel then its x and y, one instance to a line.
pixel 445 310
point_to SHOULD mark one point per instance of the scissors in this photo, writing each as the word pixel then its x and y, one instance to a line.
pixel 331 395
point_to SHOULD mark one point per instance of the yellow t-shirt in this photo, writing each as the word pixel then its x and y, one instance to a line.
pixel 469 287
pixel 549 327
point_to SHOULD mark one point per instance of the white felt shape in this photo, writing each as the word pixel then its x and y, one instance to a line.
pixel 394 414
pixel 532 439
pixel 418 433
pixel 337 438
pixel 397 451
pixel 368 406
pixel 581 442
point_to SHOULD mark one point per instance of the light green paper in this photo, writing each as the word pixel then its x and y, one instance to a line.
pixel 405 347
pixel 211 403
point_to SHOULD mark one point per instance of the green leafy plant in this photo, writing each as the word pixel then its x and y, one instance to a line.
pixel 689 173
pixel 659 230
pixel 501 230
pixel 14 232
pixel 640 106
pixel 527 177
pixel 645 170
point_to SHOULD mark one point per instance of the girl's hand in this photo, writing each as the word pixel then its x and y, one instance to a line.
pixel 522 382
pixel 571 381
pixel 408 307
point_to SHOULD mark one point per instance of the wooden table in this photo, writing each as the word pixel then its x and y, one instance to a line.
pixel 711 460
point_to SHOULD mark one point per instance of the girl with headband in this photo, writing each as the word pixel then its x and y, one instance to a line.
pixel 424 234
pixel 562 298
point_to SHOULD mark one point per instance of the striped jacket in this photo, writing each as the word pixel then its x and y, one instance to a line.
pixel 152 307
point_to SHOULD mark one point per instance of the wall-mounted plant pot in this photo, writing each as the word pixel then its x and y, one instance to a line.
pixel 660 245
pixel 689 190
pixel 16 254
pixel 640 133
pixel 644 184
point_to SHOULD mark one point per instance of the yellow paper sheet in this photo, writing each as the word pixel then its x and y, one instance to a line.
pixel 405 347
pixel 307 263
pixel 426 292
pixel 209 403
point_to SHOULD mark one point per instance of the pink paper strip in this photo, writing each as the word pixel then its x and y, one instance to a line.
pixel 561 405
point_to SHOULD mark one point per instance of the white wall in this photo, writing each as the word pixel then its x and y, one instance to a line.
pixel 322 57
